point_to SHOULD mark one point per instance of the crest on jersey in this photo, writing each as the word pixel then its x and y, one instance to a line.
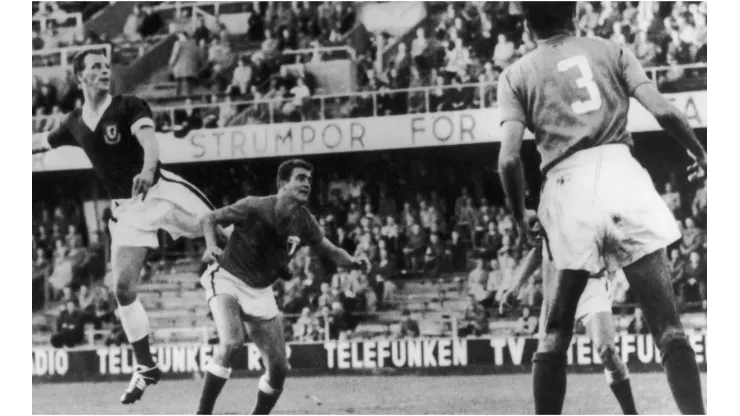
pixel 111 134
pixel 293 243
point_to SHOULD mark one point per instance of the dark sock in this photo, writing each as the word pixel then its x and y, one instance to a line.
pixel 623 392
pixel 265 403
pixel 549 383
pixel 683 377
pixel 142 352
pixel 211 389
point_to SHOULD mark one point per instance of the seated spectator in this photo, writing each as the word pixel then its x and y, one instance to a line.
pixel 457 252
pixel 458 58
pixel 693 286
pixel 69 330
pixel 414 249
pixel 678 50
pixel 226 112
pixel 435 257
pixel 693 237
pixel 672 199
pixel 241 77
pixel 477 279
pixel 527 324
pixel 339 321
pixel 440 98
pixel 270 46
pixel 300 94
pixel 638 324
pixel 475 319
pixel 409 326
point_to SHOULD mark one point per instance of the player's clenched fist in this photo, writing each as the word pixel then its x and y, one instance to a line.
pixel 212 254
pixel 142 183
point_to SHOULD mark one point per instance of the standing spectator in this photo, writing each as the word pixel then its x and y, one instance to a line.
pixel 184 64
pixel 151 21
pixel 458 253
pixel 694 284
pixel 418 48
pixel 70 331
pixel 458 58
pixel 201 33
pixel 699 204
pixel 504 53
pixel 638 325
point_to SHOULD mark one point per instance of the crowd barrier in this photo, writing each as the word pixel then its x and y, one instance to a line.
pixel 504 355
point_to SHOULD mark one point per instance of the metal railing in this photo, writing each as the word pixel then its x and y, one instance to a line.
pixel 418 100
pixel 60 19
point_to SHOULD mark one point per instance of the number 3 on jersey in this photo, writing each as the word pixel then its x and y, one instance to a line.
pixel 585 81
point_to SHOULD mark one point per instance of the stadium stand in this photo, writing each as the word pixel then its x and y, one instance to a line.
pixel 439 257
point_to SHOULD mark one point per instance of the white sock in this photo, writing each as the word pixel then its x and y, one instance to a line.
pixel 265 386
pixel 135 321
pixel 218 370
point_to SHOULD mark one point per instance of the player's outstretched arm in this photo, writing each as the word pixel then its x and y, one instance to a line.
pixel 340 257
pixel 530 264
pixel 672 120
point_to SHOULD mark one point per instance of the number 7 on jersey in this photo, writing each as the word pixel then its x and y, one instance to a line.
pixel 585 81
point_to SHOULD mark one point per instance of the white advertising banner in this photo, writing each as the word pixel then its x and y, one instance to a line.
pixel 350 135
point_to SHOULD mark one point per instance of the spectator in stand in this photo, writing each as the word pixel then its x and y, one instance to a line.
pixel 504 53
pixel 440 98
pixel 484 45
pixel 303 326
pixel 270 46
pixel 678 50
pixel 699 204
pixel 457 252
pixel 37 43
pixel 414 249
pixel 527 45
pixel 458 58
pixel 50 35
pixel 201 32
pixel 475 319
pixel 645 50
pixel 409 326
pixel 638 325
pixel 693 237
pixel 677 267
pixel 527 324
pixel 117 335
pixel 41 271
pixel 435 257
pixel 188 118
pixel 184 63
pixel 226 112
pixel 673 200
pixel 693 286
pixel 151 21
pixel 418 48
pixel 477 280
pixel 69 329
pixel 241 78
pixel 301 94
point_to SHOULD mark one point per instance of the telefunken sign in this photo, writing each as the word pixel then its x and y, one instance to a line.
pixel 349 135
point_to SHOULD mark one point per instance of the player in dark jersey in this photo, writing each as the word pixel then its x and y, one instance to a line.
pixel 117 134
pixel 598 206
pixel 268 231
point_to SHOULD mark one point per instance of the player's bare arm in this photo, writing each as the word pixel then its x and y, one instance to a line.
pixel 40 143
pixel 531 263
pixel 511 170
pixel 672 120
pixel 144 180
pixel 339 256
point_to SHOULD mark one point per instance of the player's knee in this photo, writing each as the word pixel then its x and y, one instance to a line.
pixel 277 371
pixel 228 348
pixel 672 340
pixel 608 355
pixel 125 292
pixel 554 342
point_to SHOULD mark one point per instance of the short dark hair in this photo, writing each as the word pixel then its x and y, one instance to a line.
pixel 285 171
pixel 78 62
pixel 546 17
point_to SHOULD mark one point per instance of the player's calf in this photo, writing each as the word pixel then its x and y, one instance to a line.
pixel 617 376
pixel 679 363
pixel 271 386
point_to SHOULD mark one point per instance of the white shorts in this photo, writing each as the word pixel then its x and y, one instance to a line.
pixel 258 304
pixel 599 209
pixel 172 204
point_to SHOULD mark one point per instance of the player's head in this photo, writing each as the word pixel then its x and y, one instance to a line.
pixel 294 179
pixel 545 18
pixel 92 70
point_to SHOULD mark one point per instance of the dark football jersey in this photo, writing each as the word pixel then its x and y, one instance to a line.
pixel 113 149
pixel 259 248
pixel 572 93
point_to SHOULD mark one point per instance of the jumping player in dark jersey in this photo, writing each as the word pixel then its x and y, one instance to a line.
pixel 268 231
pixel 117 134
pixel 598 206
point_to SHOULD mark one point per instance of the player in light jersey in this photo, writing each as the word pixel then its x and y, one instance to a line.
pixel 117 134
pixel 268 231
pixel 598 206
pixel 594 310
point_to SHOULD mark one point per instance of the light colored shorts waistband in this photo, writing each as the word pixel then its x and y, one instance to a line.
pixel 592 157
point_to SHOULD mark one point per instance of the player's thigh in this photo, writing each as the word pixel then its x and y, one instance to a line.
pixel 601 329
pixel 127 262
pixel 269 338
pixel 227 317
pixel 649 279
